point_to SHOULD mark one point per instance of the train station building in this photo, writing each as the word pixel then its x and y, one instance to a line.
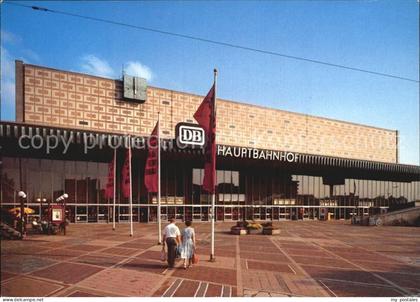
pixel 271 164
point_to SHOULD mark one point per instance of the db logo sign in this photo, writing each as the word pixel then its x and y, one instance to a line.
pixel 190 134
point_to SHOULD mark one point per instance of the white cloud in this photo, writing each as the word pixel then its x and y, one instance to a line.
pixel 93 65
pixel 7 65
pixel 7 78
pixel 7 85
pixel 8 37
pixel 8 75
pixel 8 91
pixel 30 56
pixel 7 105
pixel 137 69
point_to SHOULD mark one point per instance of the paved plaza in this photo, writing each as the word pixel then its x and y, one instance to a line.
pixel 308 258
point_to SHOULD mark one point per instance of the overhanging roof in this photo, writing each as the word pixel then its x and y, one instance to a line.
pixel 16 130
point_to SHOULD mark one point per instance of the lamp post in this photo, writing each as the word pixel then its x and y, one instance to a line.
pixel 62 199
pixel 22 196
pixel 41 200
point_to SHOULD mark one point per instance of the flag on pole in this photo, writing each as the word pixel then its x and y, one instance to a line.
pixel 206 118
pixel 126 173
pixel 109 189
pixel 151 171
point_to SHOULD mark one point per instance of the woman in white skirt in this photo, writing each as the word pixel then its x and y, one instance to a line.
pixel 188 244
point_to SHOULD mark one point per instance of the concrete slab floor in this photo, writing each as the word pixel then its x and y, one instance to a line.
pixel 308 258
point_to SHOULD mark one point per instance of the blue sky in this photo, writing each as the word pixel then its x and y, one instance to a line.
pixel 375 35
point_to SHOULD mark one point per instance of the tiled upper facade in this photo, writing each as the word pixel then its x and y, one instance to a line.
pixel 73 100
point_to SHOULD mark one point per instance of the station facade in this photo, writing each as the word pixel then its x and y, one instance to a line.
pixel 271 164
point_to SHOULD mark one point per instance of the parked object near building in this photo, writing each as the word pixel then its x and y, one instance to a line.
pixel 269 229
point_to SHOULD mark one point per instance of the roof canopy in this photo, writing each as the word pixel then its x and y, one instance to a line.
pixel 10 130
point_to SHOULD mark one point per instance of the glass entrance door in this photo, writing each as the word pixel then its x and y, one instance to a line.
pixel 153 213
pixel 144 214
pixel 188 214
pixel 263 213
pixel 103 214
pixel 316 213
pixel 365 211
pixel 242 213
pixel 163 215
pixel 196 214
pixel 179 213
pixel 71 214
pixel 305 213
pixel 81 214
pixel 92 214
pixel 235 214
pixel 219 213
pixel 342 213
pixel 205 214
pixel 275 213
pixel 171 212
pixel 228 213
pixel 257 212
pixel 285 213
pixel 249 213
pixel 269 213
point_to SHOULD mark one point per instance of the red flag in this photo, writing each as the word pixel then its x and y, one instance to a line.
pixel 109 189
pixel 126 181
pixel 206 118
pixel 151 170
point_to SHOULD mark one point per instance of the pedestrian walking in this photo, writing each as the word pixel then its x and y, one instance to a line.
pixel 171 236
pixel 188 244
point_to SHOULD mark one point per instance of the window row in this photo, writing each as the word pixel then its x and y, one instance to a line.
pixel 181 183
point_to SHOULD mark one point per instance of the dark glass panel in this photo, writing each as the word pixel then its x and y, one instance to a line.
pixel 92 214
pixel 32 176
pixel 9 180
pixel 196 185
pixel 57 174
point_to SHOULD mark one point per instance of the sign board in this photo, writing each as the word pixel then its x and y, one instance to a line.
pixel 253 153
pixel 194 135
pixel 190 134
pixel 57 213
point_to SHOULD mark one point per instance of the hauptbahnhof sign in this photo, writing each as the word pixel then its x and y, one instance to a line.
pixel 253 153
pixel 193 135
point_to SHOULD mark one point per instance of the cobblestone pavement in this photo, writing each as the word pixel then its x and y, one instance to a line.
pixel 308 258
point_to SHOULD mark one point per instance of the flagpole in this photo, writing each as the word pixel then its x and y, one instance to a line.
pixel 158 196
pixel 115 191
pixel 213 196
pixel 131 191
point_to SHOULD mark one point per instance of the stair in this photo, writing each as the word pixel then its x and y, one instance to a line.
pixel 7 232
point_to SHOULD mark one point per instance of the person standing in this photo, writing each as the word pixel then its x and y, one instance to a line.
pixel 171 236
pixel 16 219
pixel 188 244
